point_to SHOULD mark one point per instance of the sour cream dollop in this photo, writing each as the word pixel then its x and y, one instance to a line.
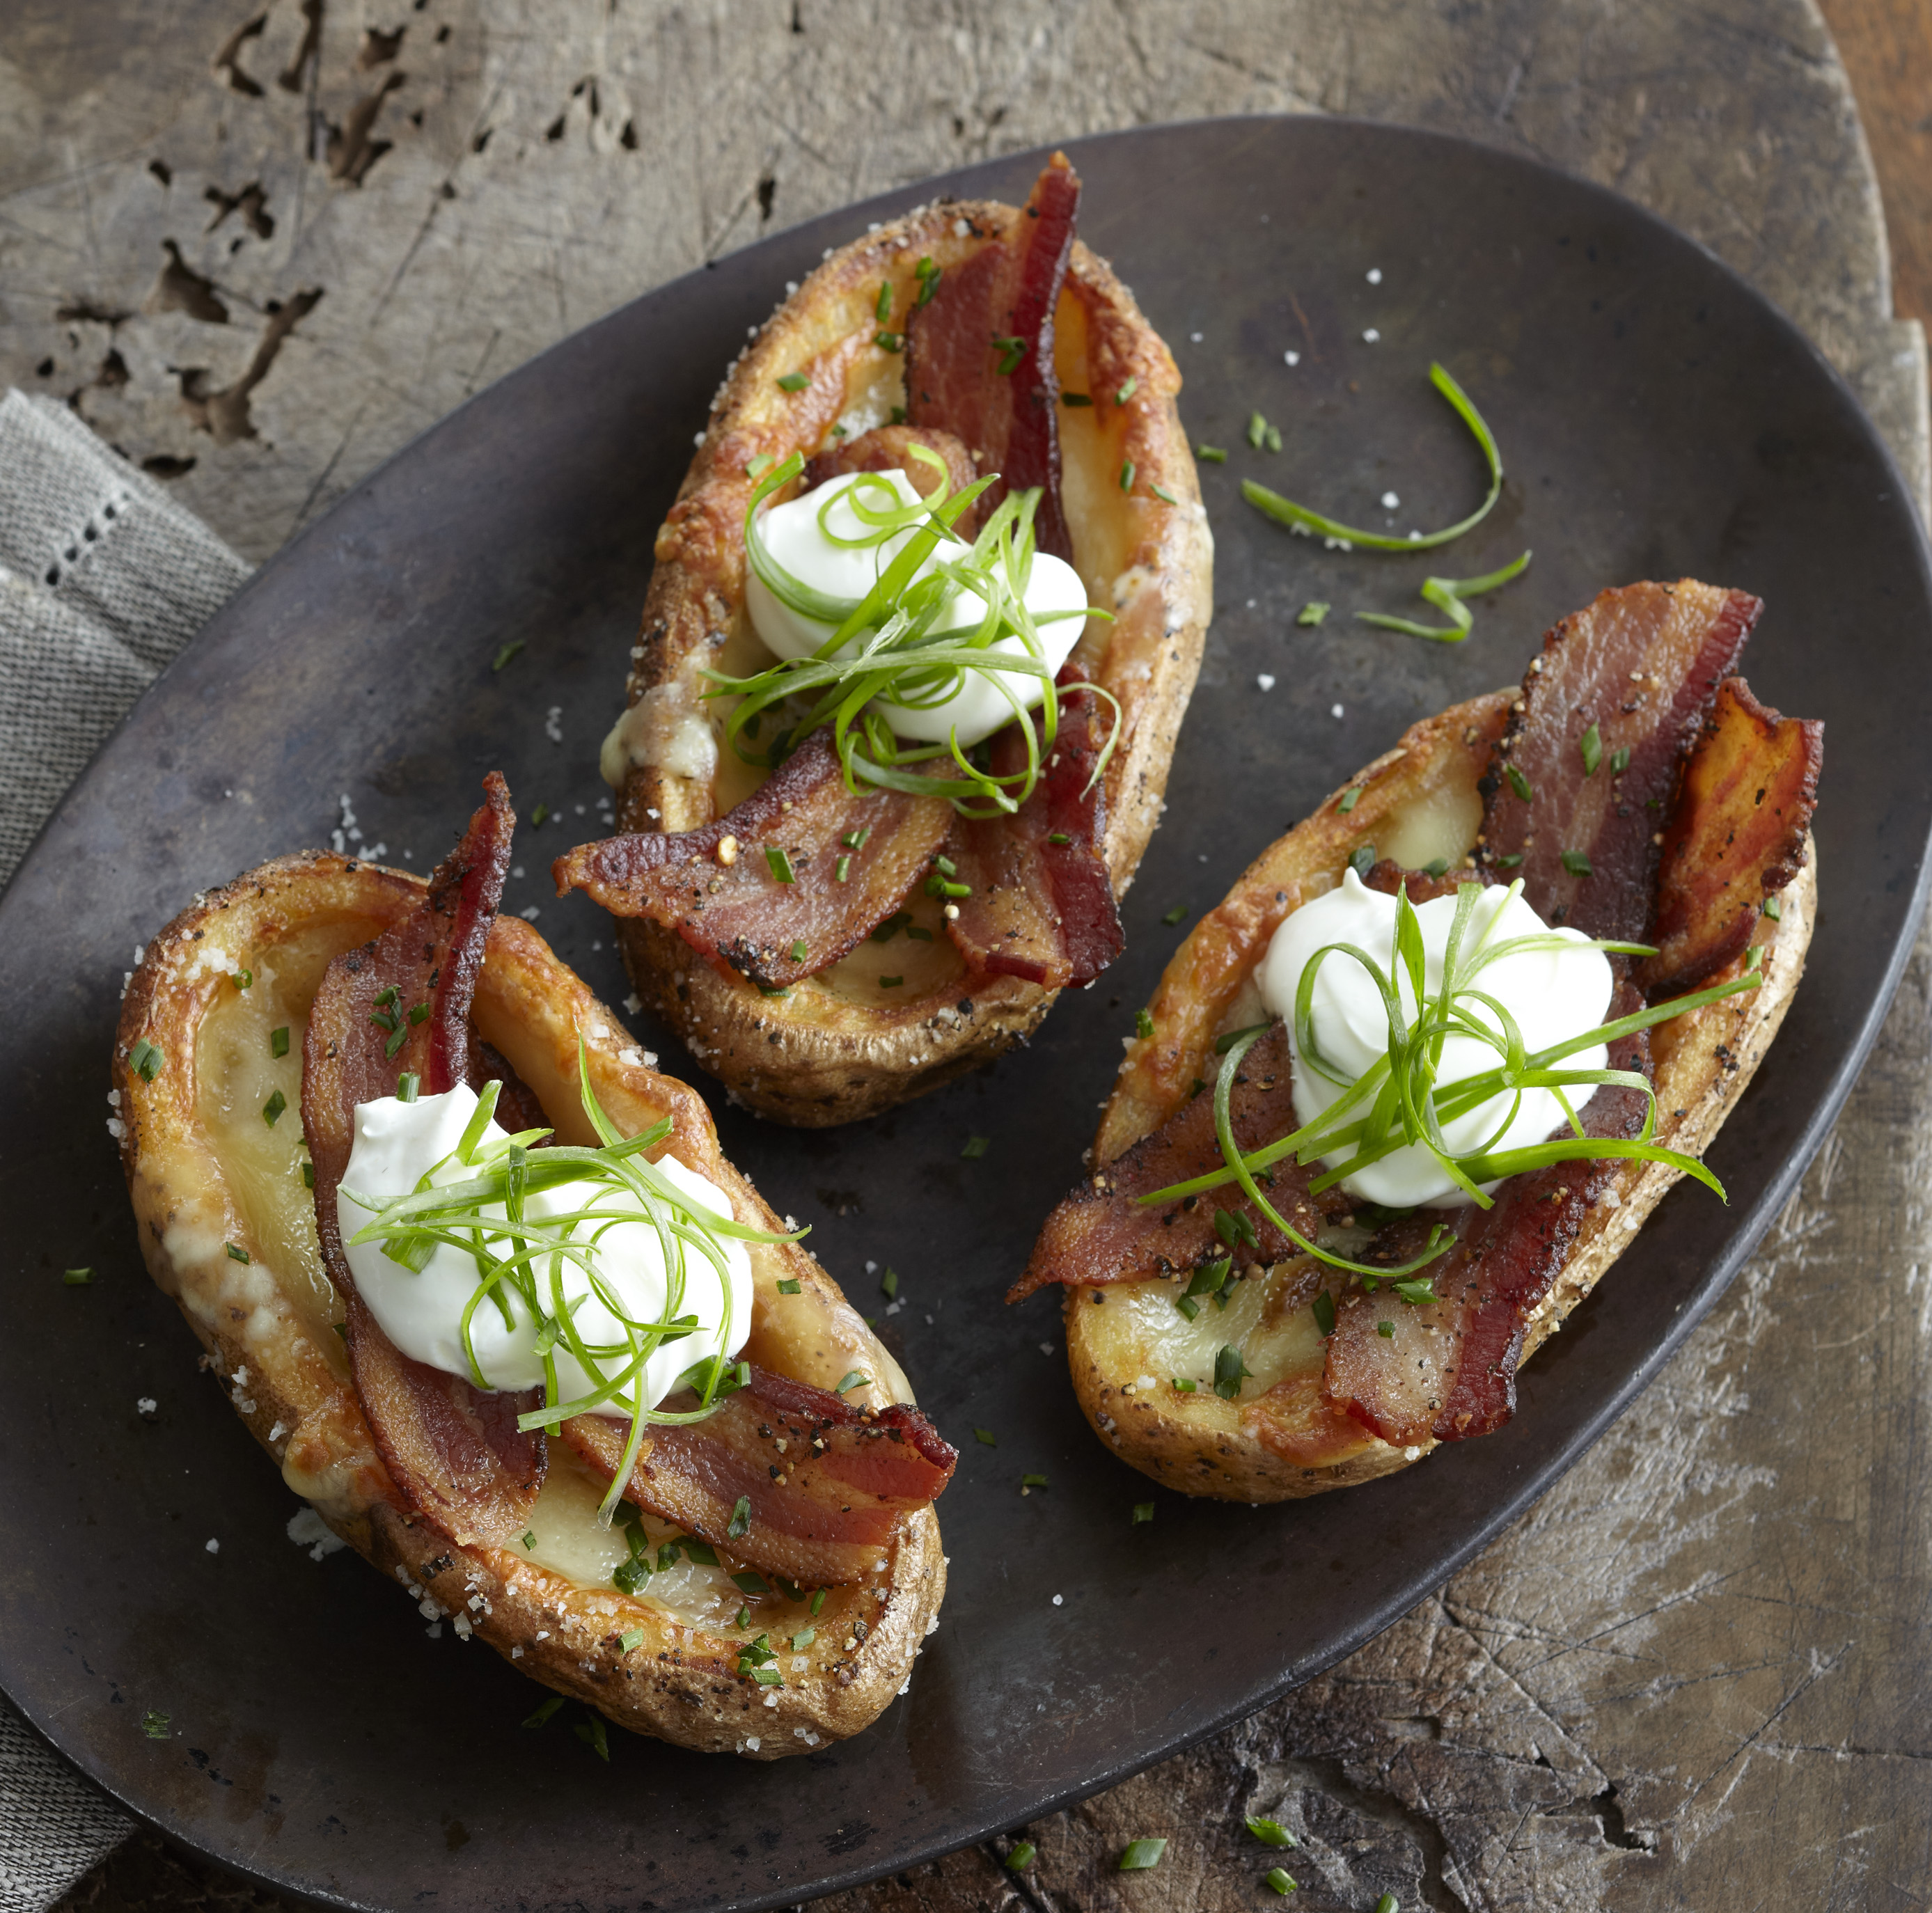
pixel 793 536
pixel 1553 994
pixel 397 1144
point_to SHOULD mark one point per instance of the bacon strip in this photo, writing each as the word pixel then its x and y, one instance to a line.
pixel 1041 909
pixel 826 1482
pixel 953 380
pixel 454 1451
pixel 1643 664
pixel 1100 1233
pixel 1448 1370
pixel 1737 837
pixel 740 916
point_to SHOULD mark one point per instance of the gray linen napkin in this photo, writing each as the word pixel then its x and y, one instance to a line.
pixel 103 579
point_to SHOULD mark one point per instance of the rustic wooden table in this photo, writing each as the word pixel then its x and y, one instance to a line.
pixel 259 244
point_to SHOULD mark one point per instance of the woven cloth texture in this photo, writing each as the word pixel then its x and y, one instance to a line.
pixel 103 579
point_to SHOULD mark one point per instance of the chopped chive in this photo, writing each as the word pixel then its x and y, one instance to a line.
pixel 1323 1308
pixel 1033 1481
pixel 889 1283
pixel 1230 1372
pixel 803 1639
pixel 1021 1857
pixel 1162 493
pixel 278 1040
pixel 592 1734
pixel 1182 1386
pixel 793 381
pixel 892 982
pixel 236 1253
pixel 885 932
pixel 780 863
pixel 308 1175
pixel 388 997
pixel 398 1038
pixel 1313 612
pixel 740 1522
pixel 855 839
pixel 1058 837
pixel 788 1286
pixel 1143 1024
pixel 1141 1855
pixel 408 1085
pixel 1272 438
pixel 986 1438
pixel 1143 1511
pixel 545 1710
pixel 1257 429
pixel 1127 391
pixel 1416 1290
pixel 272 1109
pixel 889 341
pixel 530 1538
pixel 1577 863
pixel 1270 1832
pixel 818 1600
pixel 975 1147
pixel 1171 917
pixel 798 950
pixel 341 1329
pixel 945 866
pixel 144 1059
pixel 1280 1879
pixel 505 653
pixel 539 815
pixel 1620 760
pixel 1590 746
pixel 1773 909
pixel 854 1378
pixel 917 934
pixel 1189 1307
pixel 749 1581
pixel 630 1640
pixel 1074 398
pixel 1362 859
pixel 1386 1330
pixel 702 1552
pixel 1518 782
pixel 1350 798
pixel 882 311
pixel 77 1278
pixel 1387 1904
pixel 154 1724
pixel 242 979
pixel 1212 455
pixel 842 869
pixel 898 416
pixel 1510 861
pixel 759 466
pixel 929 275
pixel 419 1012
pixel 1126 475
pixel 1012 350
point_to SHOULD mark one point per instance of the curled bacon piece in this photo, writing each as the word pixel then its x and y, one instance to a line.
pixel 743 915
pixel 1041 905
pixel 889 448
pixel 1448 1369
pixel 1102 1234
pixel 1738 836
pixel 455 1452
pixel 1641 665
pixel 826 1482
pixel 979 353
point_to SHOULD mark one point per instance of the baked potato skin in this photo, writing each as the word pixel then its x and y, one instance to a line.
pixel 814 1057
pixel 290 1383
pixel 1286 1442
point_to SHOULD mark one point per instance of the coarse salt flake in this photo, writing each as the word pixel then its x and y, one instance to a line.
pixel 213 1546
pixel 1370 336
pixel 1374 275
pixel 1266 682
pixel 1335 711
pixel 1060 1600
pixel 1290 358
pixel 1389 501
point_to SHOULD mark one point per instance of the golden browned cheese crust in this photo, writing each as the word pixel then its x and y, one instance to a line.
pixel 266 1324
pixel 1283 1441
pixel 821 1055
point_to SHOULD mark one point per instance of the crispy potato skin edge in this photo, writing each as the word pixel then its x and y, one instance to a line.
pixel 811 1058
pixel 1198 1447
pixel 679 1685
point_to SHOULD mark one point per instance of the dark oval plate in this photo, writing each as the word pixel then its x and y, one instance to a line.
pixel 1658 419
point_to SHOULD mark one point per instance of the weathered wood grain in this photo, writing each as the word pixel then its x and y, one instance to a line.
pixel 1694 1676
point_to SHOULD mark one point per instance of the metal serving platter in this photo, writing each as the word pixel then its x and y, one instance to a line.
pixel 1657 418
